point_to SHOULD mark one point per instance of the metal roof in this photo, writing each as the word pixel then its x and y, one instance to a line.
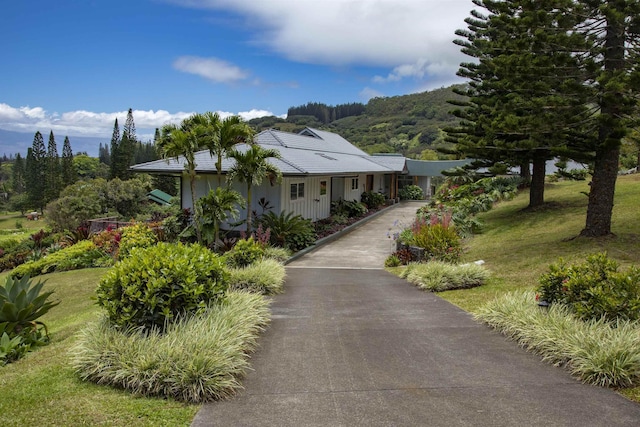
pixel 311 152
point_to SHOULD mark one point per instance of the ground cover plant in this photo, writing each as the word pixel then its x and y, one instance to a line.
pixel 265 276
pixel 437 276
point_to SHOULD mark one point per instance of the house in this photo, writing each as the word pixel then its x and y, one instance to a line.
pixel 318 167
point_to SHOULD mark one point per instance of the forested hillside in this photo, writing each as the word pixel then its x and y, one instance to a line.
pixel 408 124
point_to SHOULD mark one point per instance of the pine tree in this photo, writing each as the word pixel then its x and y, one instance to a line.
pixel 127 146
pixel 53 176
pixel 69 175
pixel 18 178
pixel 526 95
pixel 115 150
pixel 35 171
pixel 103 154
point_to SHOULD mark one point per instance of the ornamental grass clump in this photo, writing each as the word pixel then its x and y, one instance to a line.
pixel 196 359
pixel 265 277
pixel 597 352
pixel 154 286
pixel 437 276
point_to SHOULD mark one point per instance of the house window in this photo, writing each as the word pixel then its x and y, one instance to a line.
pixel 297 191
pixel 354 183
pixel 323 188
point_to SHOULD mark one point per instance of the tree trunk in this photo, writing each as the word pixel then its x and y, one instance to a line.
pixel 196 219
pixel 249 209
pixel 605 171
pixel 536 192
pixel 603 186
pixel 525 173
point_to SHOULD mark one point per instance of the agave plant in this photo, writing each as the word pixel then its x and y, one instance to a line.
pixel 21 304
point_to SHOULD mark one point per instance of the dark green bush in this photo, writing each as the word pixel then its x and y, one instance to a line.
pixel 244 252
pixel 594 289
pixel 288 231
pixel 372 199
pixel 156 285
pixel 348 208
pixel 411 192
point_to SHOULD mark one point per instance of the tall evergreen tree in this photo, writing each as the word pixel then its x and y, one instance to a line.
pixel 69 175
pixel 523 104
pixel 18 175
pixel 53 176
pixel 115 150
pixel 615 25
pixel 127 147
pixel 35 171
pixel 103 154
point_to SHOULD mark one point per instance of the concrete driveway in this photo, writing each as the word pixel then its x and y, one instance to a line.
pixel 360 347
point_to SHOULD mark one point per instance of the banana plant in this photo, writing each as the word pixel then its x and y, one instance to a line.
pixel 22 303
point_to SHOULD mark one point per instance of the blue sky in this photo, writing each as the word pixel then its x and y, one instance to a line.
pixel 73 66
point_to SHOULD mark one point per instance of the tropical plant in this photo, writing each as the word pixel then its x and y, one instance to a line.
pixel 216 207
pixel 156 285
pixel 288 230
pixel 348 208
pixel 220 135
pixel 176 141
pixel 22 303
pixel 251 167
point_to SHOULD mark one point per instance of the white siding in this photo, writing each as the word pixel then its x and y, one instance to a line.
pixel 312 204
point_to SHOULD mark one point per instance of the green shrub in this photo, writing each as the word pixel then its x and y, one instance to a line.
pixel 135 236
pixel 244 252
pixel 83 254
pixel 593 289
pixel 198 359
pixel 440 242
pixel 348 208
pixel 596 351
pixel 372 199
pixel 411 192
pixel 437 276
pixel 287 230
pixel 265 277
pixel 154 286
pixel 22 303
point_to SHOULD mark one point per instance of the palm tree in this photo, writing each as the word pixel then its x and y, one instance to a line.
pixel 215 208
pixel 251 167
pixel 220 135
pixel 176 141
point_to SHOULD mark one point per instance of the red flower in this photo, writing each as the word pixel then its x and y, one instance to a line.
pixel 537 297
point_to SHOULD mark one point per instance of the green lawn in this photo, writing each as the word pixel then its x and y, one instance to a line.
pixel 42 389
pixel 518 245
pixel 8 221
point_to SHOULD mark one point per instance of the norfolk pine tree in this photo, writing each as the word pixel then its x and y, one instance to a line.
pixel 53 176
pixel 35 171
pixel 69 175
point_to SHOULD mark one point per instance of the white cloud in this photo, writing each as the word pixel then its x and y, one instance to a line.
pixel 213 69
pixel 399 34
pixel 367 93
pixel 88 123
